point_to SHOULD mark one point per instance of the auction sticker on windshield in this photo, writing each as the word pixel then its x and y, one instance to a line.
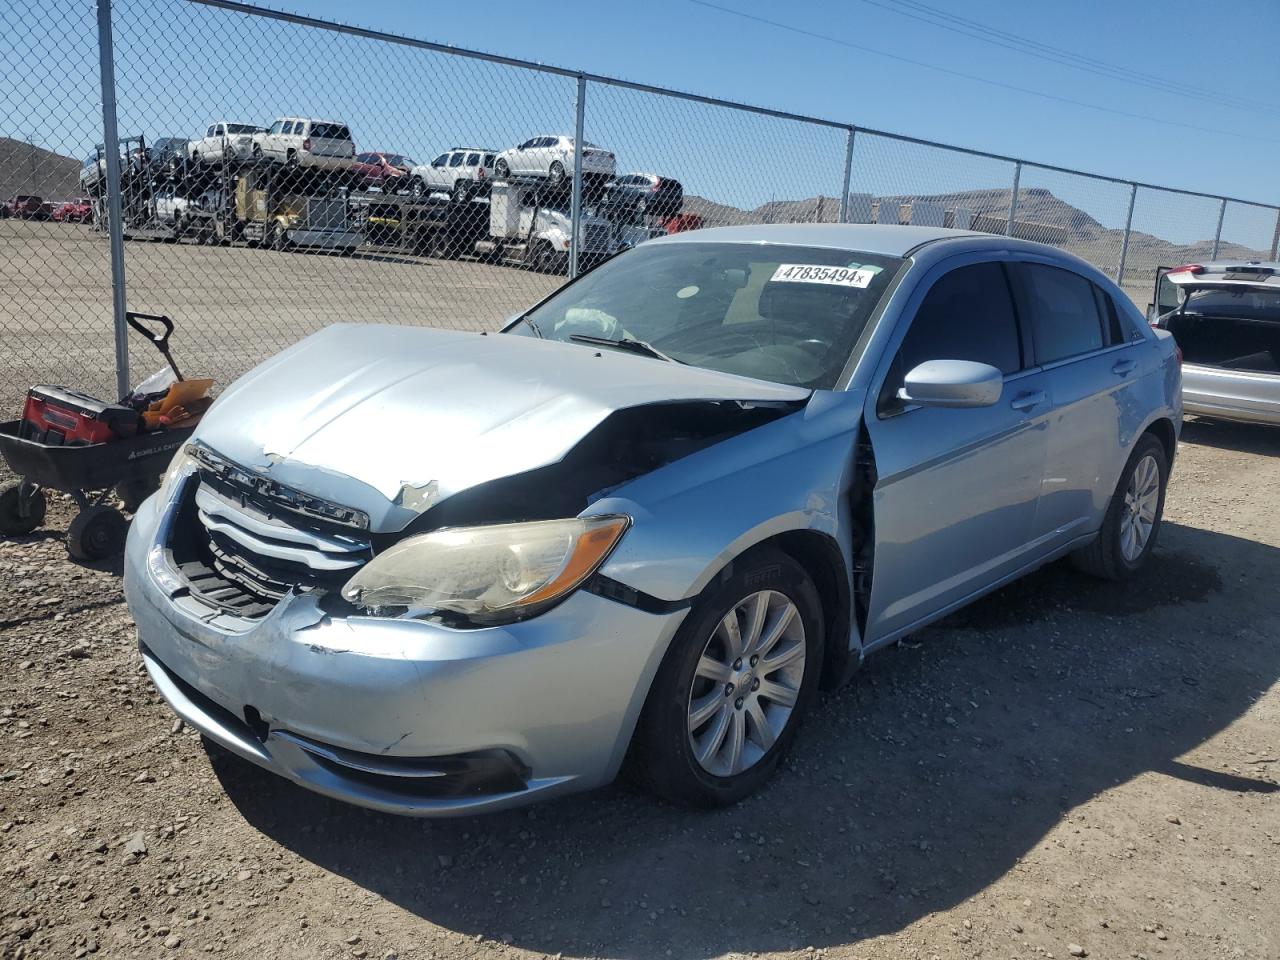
pixel 818 273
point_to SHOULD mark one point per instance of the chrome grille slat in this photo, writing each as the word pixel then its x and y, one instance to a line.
pixel 210 503
pixel 257 548
pixel 314 558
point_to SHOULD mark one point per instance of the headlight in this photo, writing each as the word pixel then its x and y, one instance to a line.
pixel 501 572
pixel 178 468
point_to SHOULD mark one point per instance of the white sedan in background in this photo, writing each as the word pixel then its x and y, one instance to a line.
pixel 552 157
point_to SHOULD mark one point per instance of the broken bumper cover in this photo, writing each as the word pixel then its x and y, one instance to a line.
pixel 405 716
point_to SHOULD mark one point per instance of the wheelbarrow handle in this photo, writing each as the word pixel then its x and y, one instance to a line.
pixel 159 339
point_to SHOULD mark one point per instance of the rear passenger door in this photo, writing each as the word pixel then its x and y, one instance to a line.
pixel 1092 361
pixel 956 493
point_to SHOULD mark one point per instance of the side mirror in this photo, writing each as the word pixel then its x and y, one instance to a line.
pixel 952 383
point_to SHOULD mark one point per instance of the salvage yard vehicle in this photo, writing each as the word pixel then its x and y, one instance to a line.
pixel 25 207
pixel 387 172
pixel 302 142
pixel 223 141
pixel 552 157
pixel 529 224
pixel 654 515
pixel 1225 318
pixel 279 210
pixel 446 170
pixel 79 210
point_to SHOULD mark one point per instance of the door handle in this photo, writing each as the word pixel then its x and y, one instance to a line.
pixel 1025 401
pixel 1123 368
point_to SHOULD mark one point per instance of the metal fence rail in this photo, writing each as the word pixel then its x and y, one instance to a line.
pixel 253 240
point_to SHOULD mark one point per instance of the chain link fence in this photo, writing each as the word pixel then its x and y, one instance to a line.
pixel 277 174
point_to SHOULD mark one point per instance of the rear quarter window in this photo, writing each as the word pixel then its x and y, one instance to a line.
pixel 1062 310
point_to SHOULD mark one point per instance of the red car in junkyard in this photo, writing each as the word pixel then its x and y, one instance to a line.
pixel 24 207
pixel 386 171
pixel 79 210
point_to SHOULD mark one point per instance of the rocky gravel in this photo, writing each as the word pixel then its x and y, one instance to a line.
pixel 1065 769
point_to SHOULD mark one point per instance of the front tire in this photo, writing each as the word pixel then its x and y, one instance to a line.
pixel 22 508
pixel 1132 522
pixel 502 170
pixel 555 173
pixel 729 695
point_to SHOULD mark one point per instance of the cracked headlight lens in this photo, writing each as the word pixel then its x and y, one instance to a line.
pixel 500 572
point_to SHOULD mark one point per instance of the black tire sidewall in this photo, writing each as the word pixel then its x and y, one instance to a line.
pixel 675 770
pixel 11 524
pixel 97 533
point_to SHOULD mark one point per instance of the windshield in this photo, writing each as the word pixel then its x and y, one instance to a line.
pixel 775 312
pixel 242 128
pixel 398 160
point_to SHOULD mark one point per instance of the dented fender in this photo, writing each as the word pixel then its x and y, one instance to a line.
pixel 694 516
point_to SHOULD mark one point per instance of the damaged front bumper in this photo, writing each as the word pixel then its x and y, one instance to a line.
pixel 405 716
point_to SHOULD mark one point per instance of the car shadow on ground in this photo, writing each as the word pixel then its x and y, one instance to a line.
pixel 913 789
pixel 1227 435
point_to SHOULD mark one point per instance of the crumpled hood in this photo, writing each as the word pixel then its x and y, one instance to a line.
pixel 391 420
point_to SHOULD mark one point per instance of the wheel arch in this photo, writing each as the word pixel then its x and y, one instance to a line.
pixel 1162 429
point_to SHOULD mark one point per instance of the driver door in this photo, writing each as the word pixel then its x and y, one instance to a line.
pixel 957 488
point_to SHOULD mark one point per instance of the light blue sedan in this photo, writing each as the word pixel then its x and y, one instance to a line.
pixel 436 573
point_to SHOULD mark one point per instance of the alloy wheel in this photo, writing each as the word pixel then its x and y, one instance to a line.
pixel 746 684
pixel 1141 498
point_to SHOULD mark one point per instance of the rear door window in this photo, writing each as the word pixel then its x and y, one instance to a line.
pixel 967 315
pixel 1062 310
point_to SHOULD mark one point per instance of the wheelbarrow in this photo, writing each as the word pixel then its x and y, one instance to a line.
pixel 90 471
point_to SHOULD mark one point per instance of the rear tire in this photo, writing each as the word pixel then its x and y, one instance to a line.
pixel 713 684
pixel 97 532
pixel 21 510
pixel 1132 522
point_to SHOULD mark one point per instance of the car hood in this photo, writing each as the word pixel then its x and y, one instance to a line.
pixel 392 420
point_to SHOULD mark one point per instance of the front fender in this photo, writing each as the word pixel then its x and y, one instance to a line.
pixel 692 517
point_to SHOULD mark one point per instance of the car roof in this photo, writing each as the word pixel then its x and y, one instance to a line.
pixel 884 239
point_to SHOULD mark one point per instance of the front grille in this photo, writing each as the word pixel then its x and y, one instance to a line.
pixel 244 548
pixel 595 237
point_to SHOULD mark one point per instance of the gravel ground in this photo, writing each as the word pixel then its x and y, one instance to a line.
pixel 1066 768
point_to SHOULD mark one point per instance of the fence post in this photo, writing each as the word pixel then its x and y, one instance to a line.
pixel 115 230
pixel 575 207
pixel 1128 227
pixel 1217 234
pixel 1013 198
pixel 848 176
pixel 1275 239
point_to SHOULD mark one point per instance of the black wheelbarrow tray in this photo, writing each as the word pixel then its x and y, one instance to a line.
pixel 131 465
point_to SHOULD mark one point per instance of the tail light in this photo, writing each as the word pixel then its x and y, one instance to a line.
pixel 1192 268
pixel 306 144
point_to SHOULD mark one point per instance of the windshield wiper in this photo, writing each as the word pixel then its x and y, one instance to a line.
pixel 624 343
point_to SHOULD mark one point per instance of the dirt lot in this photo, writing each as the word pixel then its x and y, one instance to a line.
pixel 1067 764
pixel 234 306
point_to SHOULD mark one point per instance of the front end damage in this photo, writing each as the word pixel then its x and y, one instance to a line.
pixel 234 573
